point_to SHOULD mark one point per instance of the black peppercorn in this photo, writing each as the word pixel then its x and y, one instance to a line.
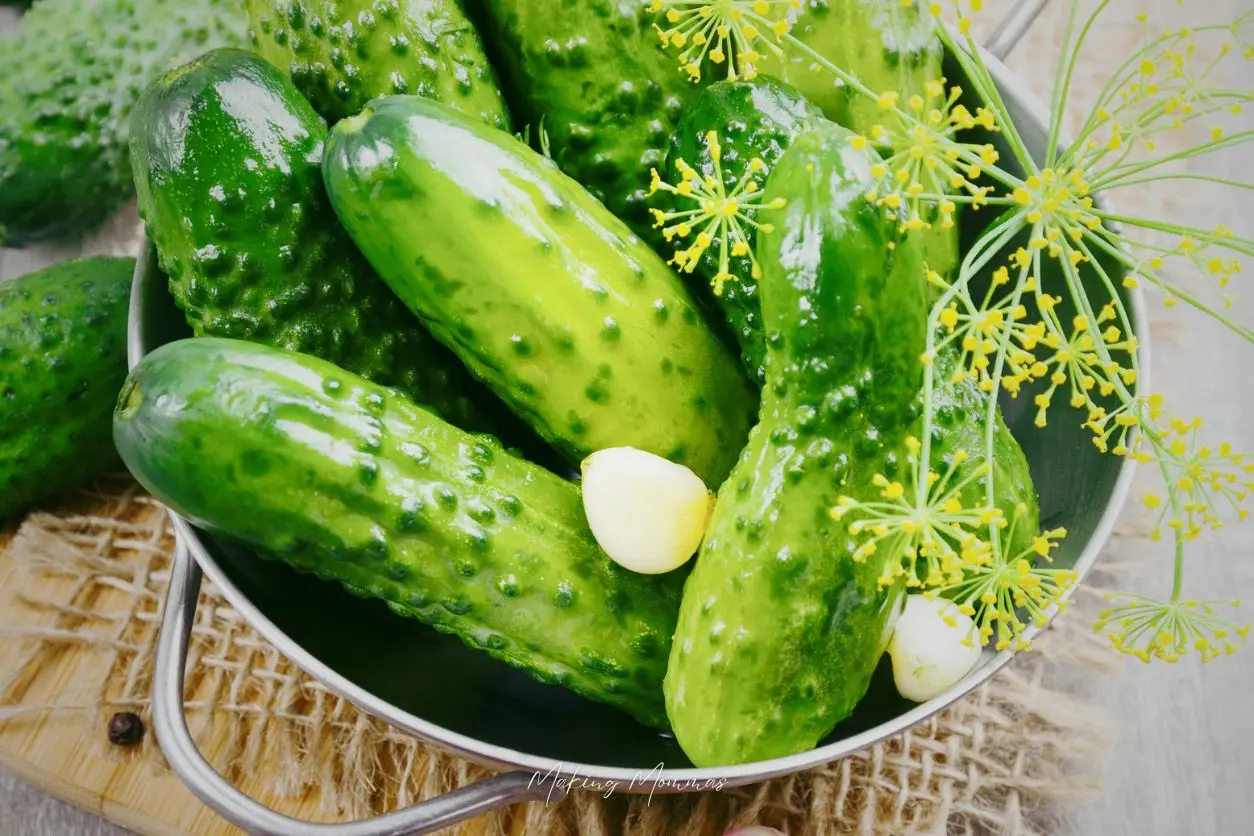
pixel 125 729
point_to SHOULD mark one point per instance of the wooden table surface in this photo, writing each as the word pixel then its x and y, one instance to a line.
pixel 1182 754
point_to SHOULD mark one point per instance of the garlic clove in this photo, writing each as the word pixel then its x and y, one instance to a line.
pixel 933 647
pixel 647 513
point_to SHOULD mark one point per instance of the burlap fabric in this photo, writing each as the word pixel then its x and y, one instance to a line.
pixel 997 762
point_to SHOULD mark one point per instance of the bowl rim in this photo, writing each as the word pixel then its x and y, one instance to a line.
pixel 660 778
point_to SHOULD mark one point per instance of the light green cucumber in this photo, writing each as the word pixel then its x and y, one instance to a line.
pixel 354 483
pixel 544 295
pixel 781 627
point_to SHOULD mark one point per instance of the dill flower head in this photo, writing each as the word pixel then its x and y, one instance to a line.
pixel 920 165
pixel 714 220
pixel 1169 630
pixel 1006 593
pixel 922 530
pixel 1202 482
pixel 731 34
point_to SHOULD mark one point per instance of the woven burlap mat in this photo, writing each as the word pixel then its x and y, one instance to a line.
pixel 999 761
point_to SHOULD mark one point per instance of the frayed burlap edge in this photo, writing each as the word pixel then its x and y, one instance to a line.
pixel 1001 761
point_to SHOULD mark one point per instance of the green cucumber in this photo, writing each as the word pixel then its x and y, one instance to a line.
pixel 595 76
pixel 756 120
pixel 545 295
pixel 751 120
pixel 227 158
pixel 68 78
pixel 353 483
pixel 888 45
pixel 343 53
pixel 62 360
pixel 960 414
pixel 781 628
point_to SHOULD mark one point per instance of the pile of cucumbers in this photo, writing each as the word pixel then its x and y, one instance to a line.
pixel 411 326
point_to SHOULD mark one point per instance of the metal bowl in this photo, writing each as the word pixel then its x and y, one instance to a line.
pixel 462 701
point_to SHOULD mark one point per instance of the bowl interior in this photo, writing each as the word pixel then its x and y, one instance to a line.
pixel 437 679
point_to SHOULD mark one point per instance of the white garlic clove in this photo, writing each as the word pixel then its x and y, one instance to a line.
pixel 933 647
pixel 647 513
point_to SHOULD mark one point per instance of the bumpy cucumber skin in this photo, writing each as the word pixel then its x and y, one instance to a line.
pixel 341 55
pixel 354 483
pixel 960 413
pixel 68 78
pixel 62 360
pixel 227 158
pixel 545 295
pixel 887 45
pixel 597 78
pixel 754 119
pixel 780 629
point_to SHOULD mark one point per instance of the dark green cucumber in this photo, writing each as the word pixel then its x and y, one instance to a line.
pixel 597 78
pixel 751 120
pixel 543 293
pixel 354 483
pixel 62 360
pixel 227 159
pixel 68 78
pixel 781 628
pixel 343 53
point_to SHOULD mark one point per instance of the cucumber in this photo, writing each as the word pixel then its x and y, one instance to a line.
pixel 887 45
pixel 352 482
pixel 759 120
pixel 780 628
pixel 68 78
pixel 960 411
pixel 62 360
pixel 596 77
pixel 343 53
pixel 227 159
pixel 545 295
pixel 752 120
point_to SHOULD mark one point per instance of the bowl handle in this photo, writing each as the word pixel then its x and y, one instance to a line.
pixel 170 725
pixel 1013 27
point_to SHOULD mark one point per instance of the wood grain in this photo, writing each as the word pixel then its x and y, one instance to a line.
pixel 65 756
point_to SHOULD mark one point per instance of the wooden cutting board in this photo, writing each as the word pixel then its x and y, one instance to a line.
pixel 67 754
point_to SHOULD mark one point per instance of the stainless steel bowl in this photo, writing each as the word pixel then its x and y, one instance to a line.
pixel 464 702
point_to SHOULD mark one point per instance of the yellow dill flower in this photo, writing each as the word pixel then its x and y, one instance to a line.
pixel 723 220
pixel 1202 482
pixel 923 527
pixel 1169 630
pixel 1005 593
pixel 727 33
pixel 918 162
